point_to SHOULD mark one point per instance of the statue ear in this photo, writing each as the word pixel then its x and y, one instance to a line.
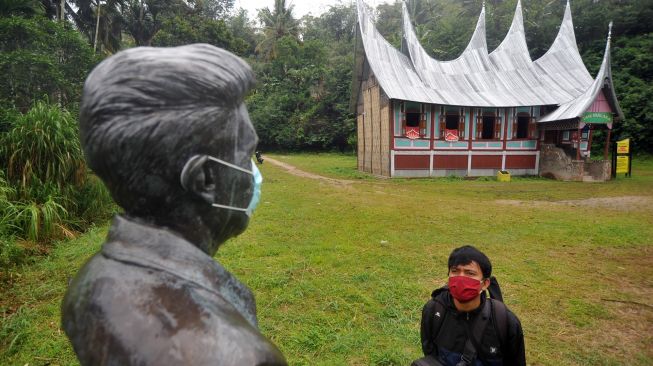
pixel 197 178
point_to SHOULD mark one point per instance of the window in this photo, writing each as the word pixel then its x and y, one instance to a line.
pixel 412 119
pixel 451 121
pixel 565 135
pixel 487 130
pixel 523 119
pixel 585 133
pixel 488 124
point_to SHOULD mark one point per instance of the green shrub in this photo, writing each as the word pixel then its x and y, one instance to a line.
pixel 46 191
pixel 42 146
pixel 90 203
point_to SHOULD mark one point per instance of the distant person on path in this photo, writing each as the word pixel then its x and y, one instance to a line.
pixel 461 326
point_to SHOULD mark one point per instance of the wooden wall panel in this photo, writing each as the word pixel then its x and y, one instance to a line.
pixel 486 162
pixel 367 129
pixel 360 141
pixel 385 140
pixel 450 162
pixel 520 162
pixel 376 130
pixel 412 162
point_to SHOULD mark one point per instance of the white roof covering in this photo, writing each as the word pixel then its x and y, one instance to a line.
pixel 577 106
pixel 506 77
pixel 393 70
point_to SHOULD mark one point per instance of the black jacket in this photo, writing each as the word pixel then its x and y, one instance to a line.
pixel 449 343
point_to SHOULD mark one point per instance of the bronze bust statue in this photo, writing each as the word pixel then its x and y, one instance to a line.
pixel 168 133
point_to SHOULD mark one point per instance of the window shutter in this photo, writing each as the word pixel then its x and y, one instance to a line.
pixel 403 119
pixel 497 127
pixel 479 126
pixel 461 126
pixel 531 127
pixel 442 124
pixel 422 125
pixel 514 123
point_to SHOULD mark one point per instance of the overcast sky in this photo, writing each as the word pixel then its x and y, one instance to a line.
pixel 302 7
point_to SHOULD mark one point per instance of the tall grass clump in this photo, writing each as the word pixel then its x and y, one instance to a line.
pixel 43 146
pixel 46 190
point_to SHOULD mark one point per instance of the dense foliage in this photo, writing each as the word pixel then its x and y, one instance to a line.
pixel 304 68
pixel 46 192
pixel 41 58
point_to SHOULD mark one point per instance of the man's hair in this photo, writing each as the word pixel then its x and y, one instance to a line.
pixel 146 110
pixel 466 254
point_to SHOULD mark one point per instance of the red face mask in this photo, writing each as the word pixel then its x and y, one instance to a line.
pixel 464 288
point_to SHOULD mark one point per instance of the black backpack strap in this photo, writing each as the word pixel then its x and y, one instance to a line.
pixel 433 315
pixel 494 289
pixel 475 335
pixel 500 317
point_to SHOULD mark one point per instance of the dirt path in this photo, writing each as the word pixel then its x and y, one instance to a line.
pixel 304 174
pixel 621 203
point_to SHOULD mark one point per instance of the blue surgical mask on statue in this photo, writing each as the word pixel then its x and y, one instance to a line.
pixel 256 197
pixel 256 194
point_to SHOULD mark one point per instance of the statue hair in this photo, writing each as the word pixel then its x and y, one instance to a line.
pixel 146 110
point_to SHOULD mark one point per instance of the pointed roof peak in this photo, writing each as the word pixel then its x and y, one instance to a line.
pixel 514 43
pixel 517 23
pixel 567 14
pixel 610 31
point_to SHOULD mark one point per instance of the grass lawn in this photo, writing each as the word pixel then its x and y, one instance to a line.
pixel 341 271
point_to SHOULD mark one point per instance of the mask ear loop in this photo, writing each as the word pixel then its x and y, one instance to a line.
pixel 220 161
pixel 231 165
pixel 229 207
pixel 184 176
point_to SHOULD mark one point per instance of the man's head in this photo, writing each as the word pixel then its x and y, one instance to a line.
pixel 470 262
pixel 147 111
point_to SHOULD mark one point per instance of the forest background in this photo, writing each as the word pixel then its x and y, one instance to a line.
pixel 301 102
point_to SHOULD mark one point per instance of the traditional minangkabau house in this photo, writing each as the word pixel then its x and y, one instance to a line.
pixel 482 112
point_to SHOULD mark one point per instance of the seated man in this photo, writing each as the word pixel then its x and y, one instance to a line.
pixel 462 309
pixel 167 131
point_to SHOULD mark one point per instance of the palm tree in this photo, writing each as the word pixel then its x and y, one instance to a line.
pixel 277 24
pixel 85 13
pixel 144 18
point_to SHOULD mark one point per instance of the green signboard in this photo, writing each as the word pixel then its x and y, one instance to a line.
pixel 596 117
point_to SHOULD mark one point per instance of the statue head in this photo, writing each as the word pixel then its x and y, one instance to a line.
pixel 148 114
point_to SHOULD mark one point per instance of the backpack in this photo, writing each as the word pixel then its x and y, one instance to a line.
pixel 433 307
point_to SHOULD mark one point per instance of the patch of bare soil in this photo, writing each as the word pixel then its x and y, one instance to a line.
pixel 622 203
pixel 304 174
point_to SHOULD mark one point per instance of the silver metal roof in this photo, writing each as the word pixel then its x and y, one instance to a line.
pixel 393 70
pixel 577 106
pixel 506 77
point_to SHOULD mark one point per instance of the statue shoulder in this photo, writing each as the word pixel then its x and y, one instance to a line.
pixel 154 318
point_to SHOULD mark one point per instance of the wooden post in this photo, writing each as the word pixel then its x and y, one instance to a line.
pixel 589 141
pixel 607 145
pixel 578 138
